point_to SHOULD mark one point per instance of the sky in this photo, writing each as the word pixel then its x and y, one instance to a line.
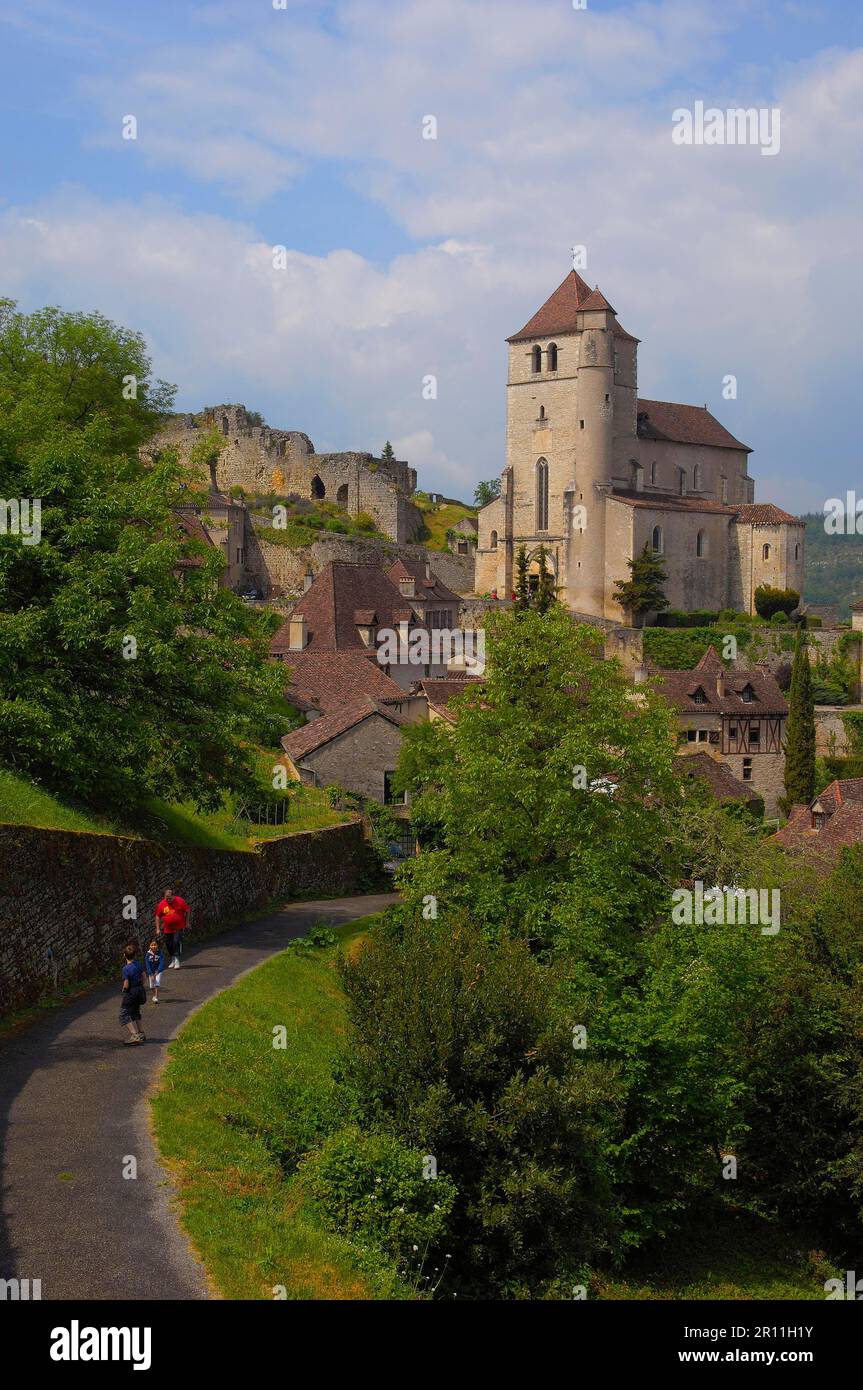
pixel 300 124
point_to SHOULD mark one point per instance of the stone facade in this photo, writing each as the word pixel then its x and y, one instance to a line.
pixel 357 760
pixel 265 460
pixel 62 894
pixel 593 473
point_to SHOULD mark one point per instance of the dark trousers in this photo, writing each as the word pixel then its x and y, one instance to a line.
pixel 174 944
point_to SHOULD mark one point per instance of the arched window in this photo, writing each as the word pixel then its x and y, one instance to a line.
pixel 552 357
pixel 681 481
pixel 701 544
pixel 765 552
pixel 657 541
pixel 696 478
pixel 653 473
pixel 493 540
pixel 542 495
pixel 542 412
pixel 318 489
pixel 536 360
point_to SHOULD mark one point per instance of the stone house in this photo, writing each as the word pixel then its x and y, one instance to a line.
pixel 594 472
pixel 355 746
pixel 738 716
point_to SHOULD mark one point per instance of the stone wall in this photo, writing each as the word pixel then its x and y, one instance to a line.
pixel 286 567
pixel 62 894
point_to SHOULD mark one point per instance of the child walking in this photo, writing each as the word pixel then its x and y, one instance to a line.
pixel 134 995
pixel 155 964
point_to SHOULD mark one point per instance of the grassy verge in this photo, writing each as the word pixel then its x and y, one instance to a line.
pixel 438 518
pixel 23 803
pixel 233 1113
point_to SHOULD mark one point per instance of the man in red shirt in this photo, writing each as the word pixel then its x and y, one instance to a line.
pixel 171 915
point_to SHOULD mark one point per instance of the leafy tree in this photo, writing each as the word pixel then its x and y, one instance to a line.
pixel 643 592
pixel 800 733
pixel 460 1049
pixel 522 584
pixel 125 671
pixel 770 601
pixel 486 492
pixel 546 593
pixel 547 787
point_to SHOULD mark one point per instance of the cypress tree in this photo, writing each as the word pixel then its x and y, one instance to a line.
pixel 800 739
pixel 643 591
pixel 522 587
pixel 547 590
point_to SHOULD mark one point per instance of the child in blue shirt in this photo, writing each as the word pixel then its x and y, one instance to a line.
pixel 155 963
pixel 134 995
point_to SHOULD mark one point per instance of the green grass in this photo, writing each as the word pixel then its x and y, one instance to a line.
pixel 22 803
pixel 739 1258
pixel 233 1112
pixel 439 518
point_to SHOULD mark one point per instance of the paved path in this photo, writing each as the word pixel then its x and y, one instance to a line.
pixel 72 1102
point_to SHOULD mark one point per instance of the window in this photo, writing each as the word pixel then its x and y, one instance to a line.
pixel 542 412
pixel 391 796
pixel 699 698
pixel 732 730
pixel 536 360
pixel 658 542
pixel 723 489
pixel 581 424
pixel 653 473
pixel 701 544
pixel 318 489
pixel 691 735
pixel 552 357
pixel 493 540
pixel 747 694
pixel 747 769
pixel 818 820
pixel 696 478
pixel 681 481
pixel 542 495
pixel 797 552
pixel 765 552
pixel 342 495
pixel 754 735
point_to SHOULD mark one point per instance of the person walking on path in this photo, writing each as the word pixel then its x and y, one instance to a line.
pixel 155 963
pixel 134 995
pixel 171 915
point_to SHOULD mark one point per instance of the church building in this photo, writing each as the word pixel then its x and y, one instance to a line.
pixel 593 473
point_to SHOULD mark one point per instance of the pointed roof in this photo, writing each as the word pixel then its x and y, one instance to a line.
pixel 558 313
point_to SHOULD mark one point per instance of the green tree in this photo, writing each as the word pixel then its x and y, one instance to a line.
pixel 522 584
pixel 125 671
pixel 486 492
pixel 800 732
pixel 770 601
pixel 547 788
pixel 546 593
pixel 643 592
pixel 460 1049
pixel 388 452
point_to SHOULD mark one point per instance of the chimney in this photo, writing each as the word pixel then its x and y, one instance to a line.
pixel 720 684
pixel 428 568
pixel 298 635
pixel 308 579
pixel 408 588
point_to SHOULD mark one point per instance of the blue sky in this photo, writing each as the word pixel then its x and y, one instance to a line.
pixel 302 127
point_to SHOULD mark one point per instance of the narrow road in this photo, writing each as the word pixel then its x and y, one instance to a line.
pixel 73 1110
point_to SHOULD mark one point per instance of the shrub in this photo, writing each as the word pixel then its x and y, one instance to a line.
pixel 677 617
pixel 372 1187
pixel 769 600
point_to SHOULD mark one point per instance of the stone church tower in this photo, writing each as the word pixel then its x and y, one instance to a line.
pixel 593 473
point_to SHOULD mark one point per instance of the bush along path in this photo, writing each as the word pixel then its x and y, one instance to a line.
pixel 86 1206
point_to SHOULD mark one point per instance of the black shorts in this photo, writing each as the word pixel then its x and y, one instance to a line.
pixel 130 1005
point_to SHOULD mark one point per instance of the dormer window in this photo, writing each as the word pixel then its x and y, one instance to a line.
pixel 699 698
pixel 818 820
pixel 747 694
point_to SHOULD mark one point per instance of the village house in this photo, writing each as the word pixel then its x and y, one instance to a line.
pixel 738 716
pixel 832 821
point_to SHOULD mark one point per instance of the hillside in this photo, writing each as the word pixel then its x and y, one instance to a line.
pixel 834 566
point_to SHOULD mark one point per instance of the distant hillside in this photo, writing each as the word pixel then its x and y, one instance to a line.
pixel 834 566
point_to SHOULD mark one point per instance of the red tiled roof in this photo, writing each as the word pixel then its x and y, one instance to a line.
pixel 406 567
pixel 300 742
pixel 558 313
pixel 721 781
pixel 326 680
pixel 441 693
pixel 191 526
pixel 766 514
pixel 842 805
pixel 683 424
pixel 679 687
pixel 331 603
pixel 670 502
